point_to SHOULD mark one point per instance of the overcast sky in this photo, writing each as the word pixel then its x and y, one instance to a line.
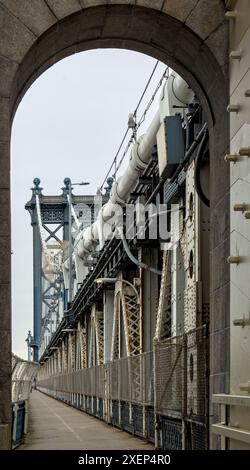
pixel 69 123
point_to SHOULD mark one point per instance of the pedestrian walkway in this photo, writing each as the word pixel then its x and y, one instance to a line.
pixel 54 425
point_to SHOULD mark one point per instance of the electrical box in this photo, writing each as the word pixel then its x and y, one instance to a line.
pixel 170 145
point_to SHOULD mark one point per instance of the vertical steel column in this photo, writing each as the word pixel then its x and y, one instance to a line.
pixel 66 230
pixel 37 279
pixel 70 244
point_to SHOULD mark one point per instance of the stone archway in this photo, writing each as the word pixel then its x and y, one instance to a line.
pixel 189 35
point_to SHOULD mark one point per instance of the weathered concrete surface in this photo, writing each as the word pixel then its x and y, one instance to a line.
pixel 191 36
pixel 54 425
pixel 5 437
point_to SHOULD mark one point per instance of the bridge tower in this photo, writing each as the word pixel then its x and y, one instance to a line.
pixel 50 222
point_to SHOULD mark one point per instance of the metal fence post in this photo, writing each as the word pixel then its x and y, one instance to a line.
pixel 26 415
pixel 184 390
pixel 155 396
pixel 14 425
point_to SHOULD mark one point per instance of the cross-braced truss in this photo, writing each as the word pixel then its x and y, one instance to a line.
pixel 163 319
pixel 126 303
pixel 81 347
pixel 115 343
pixel 131 320
pixel 99 329
pixel 64 356
pixel 71 352
pixel 96 350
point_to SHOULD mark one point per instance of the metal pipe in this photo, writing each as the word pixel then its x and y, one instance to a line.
pixel 138 263
pixel 175 92
pixel 132 286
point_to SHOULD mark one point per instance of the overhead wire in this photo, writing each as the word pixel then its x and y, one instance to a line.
pixel 141 120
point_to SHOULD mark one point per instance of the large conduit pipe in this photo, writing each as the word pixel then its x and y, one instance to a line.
pixel 175 93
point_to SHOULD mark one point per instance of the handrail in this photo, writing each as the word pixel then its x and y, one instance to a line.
pixel 226 429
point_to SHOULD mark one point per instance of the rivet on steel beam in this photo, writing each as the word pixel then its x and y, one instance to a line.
pixel 241 322
pixel 231 15
pixel 233 259
pixel 235 55
pixel 247 215
pixel 231 158
pixel 244 152
pixel 233 108
pixel 247 93
pixel 240 207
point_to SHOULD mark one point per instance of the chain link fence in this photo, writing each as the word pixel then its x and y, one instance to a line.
pixel 169 365
pixel 127 379
pixel 181 388
pixel 89 382
pixel 131 379
pixel 168 386
pixel 181 374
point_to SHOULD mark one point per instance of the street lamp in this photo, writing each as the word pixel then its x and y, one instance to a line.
pixel 68 183
pixel 113 280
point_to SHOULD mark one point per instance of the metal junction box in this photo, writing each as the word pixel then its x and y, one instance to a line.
pixel 170 145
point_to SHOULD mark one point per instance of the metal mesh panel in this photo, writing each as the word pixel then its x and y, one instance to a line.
pixel 20 417
pixel 125 416
pixel 196 436
pixel 136 372
pixel 100 408
pixel 181 389
pixel 172 189
pixel 196 375
pixel 125 368
pixel 169 375
pixel 148 385
pixel 88 404
pixel 131 379
pixel 137 417
pixel 181 375
pixel 94 405
pixel 171 435
pixel 115 413
pixel 114 380
pixel 150 422
pixel 86 381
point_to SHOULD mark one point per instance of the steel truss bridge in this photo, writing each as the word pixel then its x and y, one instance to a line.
pixel 134 351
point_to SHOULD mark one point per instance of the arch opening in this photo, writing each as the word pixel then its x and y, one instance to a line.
pixel 154 33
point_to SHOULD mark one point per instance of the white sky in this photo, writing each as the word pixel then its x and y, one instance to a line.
pixel 69 123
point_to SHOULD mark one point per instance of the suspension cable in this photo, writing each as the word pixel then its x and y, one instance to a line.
pixel 146 87
pixel 141 120
pixel 40 225
pixel 78 224
pixel 143 117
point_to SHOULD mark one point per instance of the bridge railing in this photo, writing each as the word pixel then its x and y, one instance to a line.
pixel 129 379
pixel 88 381
pixel 160 395
pixel 23 375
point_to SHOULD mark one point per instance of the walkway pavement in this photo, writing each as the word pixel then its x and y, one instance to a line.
pixel 54 425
